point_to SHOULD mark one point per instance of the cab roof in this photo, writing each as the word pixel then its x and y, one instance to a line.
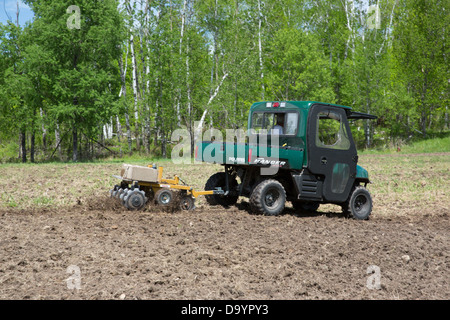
pixel 300 104
pixel 306 105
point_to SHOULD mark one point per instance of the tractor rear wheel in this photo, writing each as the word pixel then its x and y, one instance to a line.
pixel 359 205
pixel 268 198
pixel 218 180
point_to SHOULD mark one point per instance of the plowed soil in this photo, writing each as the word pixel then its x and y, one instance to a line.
pixel 218 253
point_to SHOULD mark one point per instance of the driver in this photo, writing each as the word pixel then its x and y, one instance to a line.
pixel 278 128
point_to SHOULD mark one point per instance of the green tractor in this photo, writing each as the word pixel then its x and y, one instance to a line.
pixel 297 151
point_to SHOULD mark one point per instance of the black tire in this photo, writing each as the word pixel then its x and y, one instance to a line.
pixel 268 198
pixel 164 197
pixel 305 206
pixel 218 180
pixel 187 203
pixel 359 205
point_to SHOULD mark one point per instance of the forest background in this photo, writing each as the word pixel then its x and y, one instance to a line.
pixel 88 79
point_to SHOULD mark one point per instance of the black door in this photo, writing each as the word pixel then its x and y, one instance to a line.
pixel 331 151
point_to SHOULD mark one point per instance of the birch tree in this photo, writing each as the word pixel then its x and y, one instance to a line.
pixel 420 50
pixel 134 72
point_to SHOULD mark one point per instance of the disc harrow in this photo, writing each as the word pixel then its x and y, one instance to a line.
pixel 139 185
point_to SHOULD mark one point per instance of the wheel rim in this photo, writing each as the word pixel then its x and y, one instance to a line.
pixel 186 203
pixel 165 198
pixel 271 198
pixel 361 204
pixel 360 201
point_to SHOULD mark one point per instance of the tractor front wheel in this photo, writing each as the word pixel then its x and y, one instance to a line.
pixel 268 198
pixel 359 205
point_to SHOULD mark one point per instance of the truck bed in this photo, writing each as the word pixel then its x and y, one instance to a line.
pixel 230 153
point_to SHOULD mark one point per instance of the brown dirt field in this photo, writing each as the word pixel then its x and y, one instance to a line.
pixel 217 253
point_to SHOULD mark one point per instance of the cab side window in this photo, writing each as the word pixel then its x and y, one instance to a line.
pixel 331 131
pixel 291 123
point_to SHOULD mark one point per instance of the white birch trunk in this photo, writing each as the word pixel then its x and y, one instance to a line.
pixel 119 128
pixel 147 107
pixel 183 21
pixel 146 87
pixel 58 140
pixel 123 92
pixel 44 130
pixel 187 79
pixel 189 104
pixel 134 78
pixel 147 71
pixel 135 85
pixel 446 122
pixel 349 16
pixel 108 130
pixel 202 120
pixel 386 36
pixel 135 89
pixel 260 48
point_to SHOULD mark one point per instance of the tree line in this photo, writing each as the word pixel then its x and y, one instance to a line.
pixel 85 78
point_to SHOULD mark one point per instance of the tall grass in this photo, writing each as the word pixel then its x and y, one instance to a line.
pixel 431 145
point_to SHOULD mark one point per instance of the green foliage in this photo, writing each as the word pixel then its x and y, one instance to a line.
pixel 295 72
pixel 8 152
pixel 421 58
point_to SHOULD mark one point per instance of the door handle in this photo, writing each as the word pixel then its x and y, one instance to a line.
pixel 323 160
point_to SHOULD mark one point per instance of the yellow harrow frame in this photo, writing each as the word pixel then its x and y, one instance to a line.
pixel 173 184
pixel 134 194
